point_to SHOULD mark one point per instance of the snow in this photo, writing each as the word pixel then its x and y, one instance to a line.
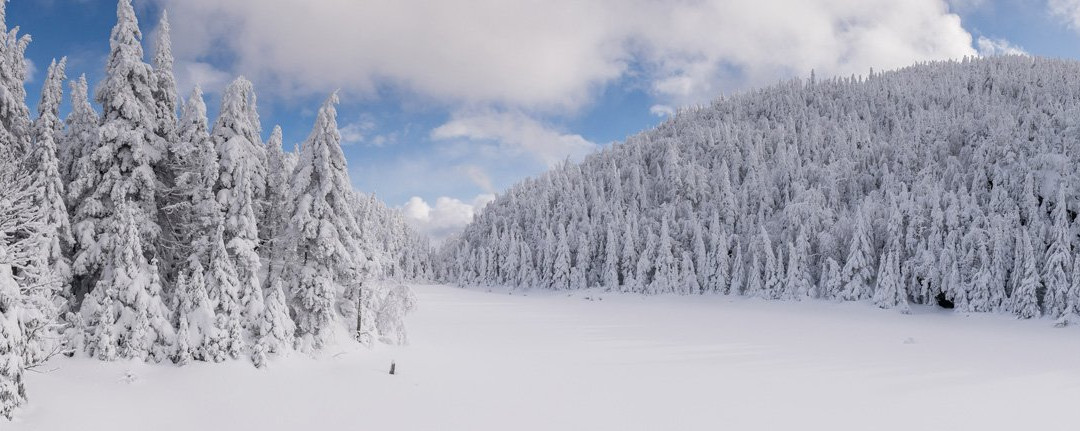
pixel 514 360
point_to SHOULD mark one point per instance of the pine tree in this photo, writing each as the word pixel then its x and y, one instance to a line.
pixel 322 230
pixel 628 261
pixel 47 130
pixel 276 328
pixel 124 316
pixel 666 278
pixel 738 272
pixel 165 93
pixel 15 126
pixel 610 277
pixel 830 279
pixel 560 265
pixel 239 189
pixel 121 168
pixel 799 283
pixel 718 260
pixel 1024 300
pixel 199 337
pixel 223 290
pixel 272 226
pixel 80 139
pixel 890 291
pixel 166 126
pixel 858 268
pixel 774 270
pixel 1058 261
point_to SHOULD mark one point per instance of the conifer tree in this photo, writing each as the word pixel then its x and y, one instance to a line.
pixel 322 230
pixel 54 240
pixel 240 189
pixel 890 291
pixel 121 168
pixel 1058 260
pixel 57 239
pixel 223 290
pixel 858 268
pixel 276 328
pixel 560 265
pixel 272 225
pixel 80 139
pixel 799 283
pixel 1025 300
pixel 124 315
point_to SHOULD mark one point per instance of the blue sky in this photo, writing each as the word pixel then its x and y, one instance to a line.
pixel 447 102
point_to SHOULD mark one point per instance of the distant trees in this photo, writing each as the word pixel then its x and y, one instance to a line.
pixel 947 179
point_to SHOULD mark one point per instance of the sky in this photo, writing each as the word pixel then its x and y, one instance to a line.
pixel 446 103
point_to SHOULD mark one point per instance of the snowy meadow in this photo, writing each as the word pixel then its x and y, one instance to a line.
pixel 507 359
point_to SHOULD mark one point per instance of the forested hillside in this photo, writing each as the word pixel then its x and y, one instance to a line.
pixel 140 230
pixel 941 182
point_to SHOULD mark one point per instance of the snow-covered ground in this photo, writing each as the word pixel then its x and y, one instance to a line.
pixel 482 360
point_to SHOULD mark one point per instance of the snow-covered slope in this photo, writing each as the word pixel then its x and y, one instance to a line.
pixel 954 179
pixel 501 360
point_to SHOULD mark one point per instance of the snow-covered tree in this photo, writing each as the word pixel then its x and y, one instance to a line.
pixel 322 230
pixel 1025 300
pixel 80 139
pixel 12 343
pixel 124 315
pixel 240 189
pixel 1057 261
pixel 121 169
pixel 56 236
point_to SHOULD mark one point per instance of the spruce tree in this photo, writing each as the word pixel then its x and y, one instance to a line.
pixel 121 168
pixel 50 263
pixel 1025 300
pixel 124 315
pixel 80 139
pixel 1058 260
pixel 322 230
pixel 240 189
pixel 857 273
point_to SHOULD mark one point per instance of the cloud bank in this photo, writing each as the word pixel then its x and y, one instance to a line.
pixel 556 55
pixel 447 217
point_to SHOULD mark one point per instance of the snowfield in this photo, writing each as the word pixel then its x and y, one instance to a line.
pixel 499 360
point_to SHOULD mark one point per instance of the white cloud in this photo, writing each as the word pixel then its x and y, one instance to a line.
pixel 661 110
pixel 31 71
pixel 479 177
pixel 205 75
pixel 356 132
pixel 556 55
pixel 988 47
pixel 1066 10
pixel 515 133
pixel 447 217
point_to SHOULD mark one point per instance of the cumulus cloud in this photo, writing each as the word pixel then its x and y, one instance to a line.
pixel 447 217
pixel 661 110
pixel 206 76
pixel 556 55
pixel 1066 10
pixel 515 133
pixel 988 47
pixel 356 132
